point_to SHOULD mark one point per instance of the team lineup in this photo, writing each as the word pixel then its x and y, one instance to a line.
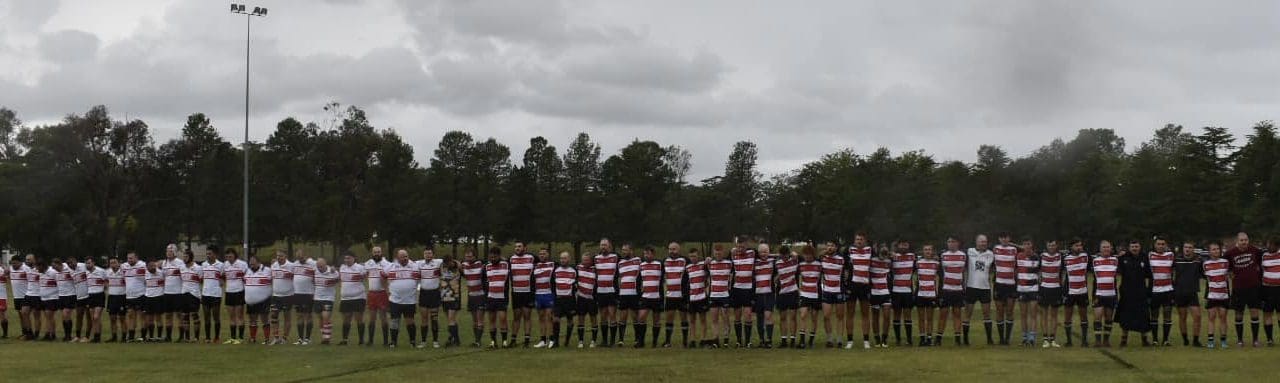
pixel 915 294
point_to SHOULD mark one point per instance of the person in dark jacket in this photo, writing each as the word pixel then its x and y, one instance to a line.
pixel 1132 312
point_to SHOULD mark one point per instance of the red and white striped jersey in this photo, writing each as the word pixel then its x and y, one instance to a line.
pixel 673 276
pixel 832 270
pixel 786 268
pixel 881 268
pixel 429 270
pixel 281 278
pixel 352 278
pixel 1028 278
pixel 257 284
pixel 587 282
pixel 402 282
pixel 495 279
pixel 1105 270
pixel 953 265
pixel 1161 271
pixel 628 272
pixel 566 278
pixel 1051 270
pixel 810 278
pixel 697 274
pixel 522 273
pixel 1270 269
pixel 1006 261
pixel 721 272
pixel 764 276
pixel 472 271
pixel 115 282
pixel 744 270
pixel 373 273
pixel 211 278
pixel 96 278
pixel 326 284
pixel 651 280
pixel 606 266
pixel 904 265
pixel 233 273
pixel 1216 272
pixel 1077 266
pixel 927 277
pixel 860 264
pixel 542 277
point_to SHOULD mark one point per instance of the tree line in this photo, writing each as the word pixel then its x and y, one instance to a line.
pixel 94 185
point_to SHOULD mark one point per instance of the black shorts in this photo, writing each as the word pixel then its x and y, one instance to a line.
pixel 50 305
pixel 788 301
pixel 495 304
pixel 211 302
pixel 718 302
pixel 1185 300
pixel 653 305
pixel 1006 292
pixel 858 292
pixel 673 304
pixel 135 304
pixel 190 303
pixel 31 301
pixel 398 310
pixel 696 307
pixel 431 298
pixel 1162 299
pixel 235 299
pixel 97 300
pixel 303 303
pixel 974 295
pixel 901 300
pixel 628 302
pixel 925 302
pixel 566 306
pixel 475 302
pixel 174 303
pixel 67 302
pixel 764 303
pixel 1051 297
pixel 586 306
pixel 832 298
pixel 453 305
pixel 1247 297
pixel 82 302
pixel 953 299
pixel 154 305
pixel 1031 296
pixel 115 305
pixel 353 306
pixel 1076 300
pixel 811 303
pixel 739 298
pixel 321 306
pixel 1270 296
pixel 522 300
pixel 281 303
pixel 878 301
pixel 258 308
pixel 1105 302
pixel 606 300
pixel 1217 303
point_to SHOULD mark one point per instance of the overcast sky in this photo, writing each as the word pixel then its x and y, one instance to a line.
pixel 799 78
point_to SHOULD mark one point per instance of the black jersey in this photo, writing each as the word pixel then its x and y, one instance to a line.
pixel 1187 272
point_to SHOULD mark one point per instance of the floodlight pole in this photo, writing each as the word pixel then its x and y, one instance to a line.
pixel 248 20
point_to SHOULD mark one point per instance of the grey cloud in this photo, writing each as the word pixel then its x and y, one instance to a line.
pixel 68 46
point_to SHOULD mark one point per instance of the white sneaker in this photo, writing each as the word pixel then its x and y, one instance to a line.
pixel 1045 345
pixel 435 344
pixel 592 345
pixel 297 342
pixel 306 342
pixel 848 345
pixel 866 345
pixel 1054 344
pixel 420 345
pixel 551 344
pixel 541 344
pixel 492 344
pixel 579 344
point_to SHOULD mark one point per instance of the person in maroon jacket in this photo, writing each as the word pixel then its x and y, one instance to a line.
pixel 1246 281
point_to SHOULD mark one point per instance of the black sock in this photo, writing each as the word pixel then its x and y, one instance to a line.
pixel 453 333
pixel 360 332
pixel 1084 332
pixel 413 334
pixel 1066 327
pixel 1168 328
pixel 1240 330
pixel 671 328
pixel 768 334
pixel 999 328
pixel 595 332
pixel 66 328
pixel 746 333
pixel 639 330
pixel 1268 327
pixel 737 331
pixel 580 335
pixel 897 330
pixel 622 332
pixel 1253 327
pixel 684 332
pixel 479 334
pixel 657 331
pixel 385 334
pixel 964 330
pixel 907 325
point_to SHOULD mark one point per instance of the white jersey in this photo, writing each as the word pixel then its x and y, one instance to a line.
pixel 66 282
pixel 211 276
pixel 282 279
pixel 979 269
pixel 135 279
pixel 97 280
pixel 402 282
pixel 115 282
pixel 304 274
pixel 352 281
pixel 155 283
pixel 80 279
pixel 257 285
pixel 429 272
pixel 19 280
pixel 49 285
pixel 326 283
pixel 234 273
pixel 191 281
pixel 172 271
pixel 4 283
pixel 373 274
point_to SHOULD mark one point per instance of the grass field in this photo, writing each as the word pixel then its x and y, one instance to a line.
pixel 28 361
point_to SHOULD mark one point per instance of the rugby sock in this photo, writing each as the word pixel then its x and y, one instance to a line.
pixel 66 328
pixel 326 330
pixel 656 331
pixel 964 325
pixel 360 333
pixel 1168 328
pixel 1106 332
pixel 493 336
pixel 594 333
pixel 435 330
pixel 615 333
pixel 1268 328
pixel 1008 330
pixel 897 331
pixel 684 331
pixel 906 323
pixel 802 338
pixel 503 333
pixel 768 334
pixel 302 330
pixel 958 339
pixel 1253 326
pixel 737 331
pixel 423 330
pixel 671 328
pixel 1210 338
pixel 168 333
pixel 413 334
pixel 746 332
pixel 986 324
pixel 602 330
pixel 253 332
pixel 639 329
pixel 346 331
pixel 385 334
pixel 478 332
pixel 1240 330
pixel 1000 328
pixel 453 334
pixel 580 327
pixel 1084 333
pixel 622 332
pixel 760 329
pixel 1066 327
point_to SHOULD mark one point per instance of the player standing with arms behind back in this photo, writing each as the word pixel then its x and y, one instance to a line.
pixel 1076 266
pixel 1217 292
pixel 1188 270
pixel 1246 285
pixel 977 286
pixel 953 297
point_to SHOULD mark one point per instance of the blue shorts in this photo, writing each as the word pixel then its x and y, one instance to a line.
pixel 544 301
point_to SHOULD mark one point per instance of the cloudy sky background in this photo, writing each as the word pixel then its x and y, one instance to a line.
pixel 799 78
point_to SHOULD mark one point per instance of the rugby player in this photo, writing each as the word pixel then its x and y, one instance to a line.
pixel 585 286
pixel 1217 293
pixel 1076 267
pixel 764 279
pixel 544 300
pixel 212 278
pixel 402 286
pixel 429 297
pixel 881 303
pixel 566 283
pixel 674 286
pixel 1246 284
pixel 473 272
pixel 1161 263
pixel 281 298
pixel 740 296
pixel 115 301
pixel 257 283
pixel 497 275
pixel 1006 291
pixel 1050 293
pixel 788 297
pixel 809 272
pixel 171 304
pixel 858 293
pixel 953 262
pixel 233 272
pixel 377 302
pixel 325 282
pixel 1188 270
pixel 1106 270
pixel 606 266
pixel 720 272
pixel 650 276
pixel 521 264
pixel 926 299
pixel 901 294
pixel 304 289
pixel 352 303
pixel 1028 265
pixel 834 267
pixel 696 303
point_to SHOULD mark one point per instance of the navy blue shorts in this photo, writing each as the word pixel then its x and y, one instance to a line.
pixel 544 301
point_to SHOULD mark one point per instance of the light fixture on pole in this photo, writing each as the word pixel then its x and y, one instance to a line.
pixel 249 15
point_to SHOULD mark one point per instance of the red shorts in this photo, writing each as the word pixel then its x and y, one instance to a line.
pixel 4 304
pixel 378 301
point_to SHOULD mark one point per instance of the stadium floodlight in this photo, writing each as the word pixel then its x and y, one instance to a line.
pixel 259 12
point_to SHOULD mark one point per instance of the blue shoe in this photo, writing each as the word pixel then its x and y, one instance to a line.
pixel 1224 345
pixel 1209 345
